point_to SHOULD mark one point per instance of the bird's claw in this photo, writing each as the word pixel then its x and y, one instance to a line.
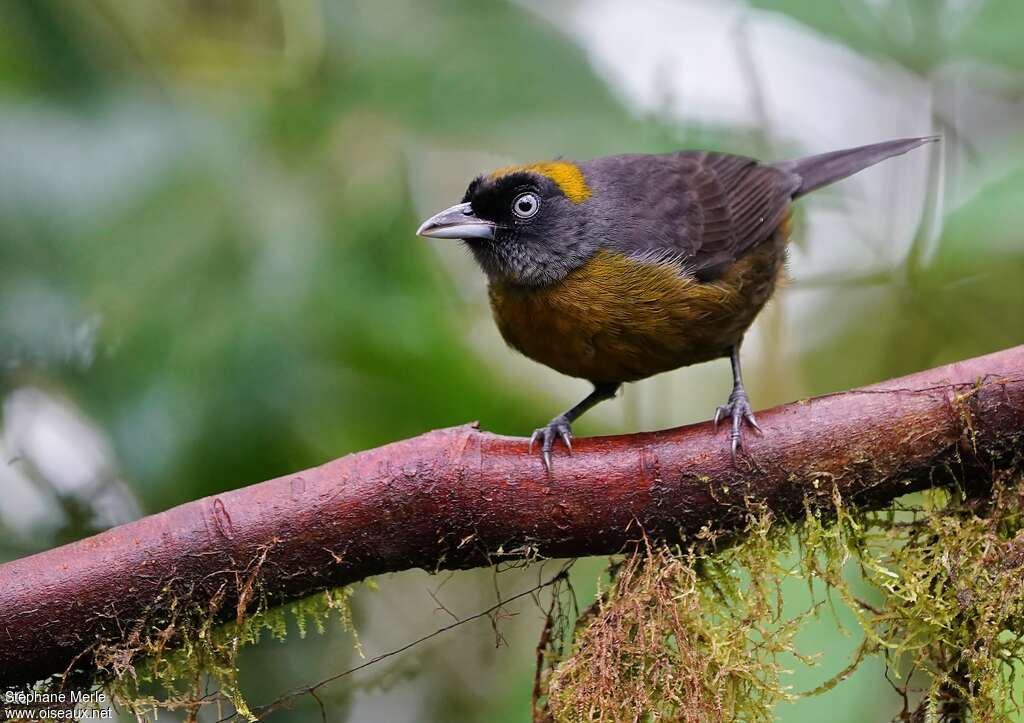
pixel 739 410
pixel 557 428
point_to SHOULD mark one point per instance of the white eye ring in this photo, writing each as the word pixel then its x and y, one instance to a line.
pixel 526 205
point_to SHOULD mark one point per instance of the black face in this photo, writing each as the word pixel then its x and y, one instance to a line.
pixel 538 234
pixel 511 200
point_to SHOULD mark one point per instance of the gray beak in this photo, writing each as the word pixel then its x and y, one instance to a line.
pixel 456 222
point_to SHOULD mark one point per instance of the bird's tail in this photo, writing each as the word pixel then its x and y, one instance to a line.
pixel 821 170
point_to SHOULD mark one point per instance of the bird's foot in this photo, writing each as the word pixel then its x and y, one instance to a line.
pixel 557 428
pixel 739 409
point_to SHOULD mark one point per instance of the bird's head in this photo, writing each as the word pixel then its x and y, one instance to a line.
pixel 526 225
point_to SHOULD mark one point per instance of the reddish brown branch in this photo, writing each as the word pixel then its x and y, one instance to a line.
pixel 457 498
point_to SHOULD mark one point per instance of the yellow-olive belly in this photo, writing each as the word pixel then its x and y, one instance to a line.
pixel 617 320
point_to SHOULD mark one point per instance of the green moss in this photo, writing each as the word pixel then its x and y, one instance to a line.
pixel 147 674
pixel 949 573
pixel 695 635
pixel 683 635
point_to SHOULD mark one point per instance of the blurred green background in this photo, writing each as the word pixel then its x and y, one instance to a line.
pixel 208 273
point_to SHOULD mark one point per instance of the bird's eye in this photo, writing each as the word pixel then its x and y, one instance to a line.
pixel 526 205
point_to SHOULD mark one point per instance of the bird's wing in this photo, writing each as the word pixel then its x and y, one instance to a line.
pixel 700 209
pixel 741 204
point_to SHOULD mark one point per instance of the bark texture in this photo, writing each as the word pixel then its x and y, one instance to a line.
pixel 457 498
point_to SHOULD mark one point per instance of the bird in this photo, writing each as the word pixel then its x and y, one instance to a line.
pixel 622 267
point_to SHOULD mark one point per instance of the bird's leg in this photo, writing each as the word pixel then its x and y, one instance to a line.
pixel 561 426
pixel 738 407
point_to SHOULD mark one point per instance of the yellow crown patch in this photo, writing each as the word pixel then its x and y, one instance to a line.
pixel 567 175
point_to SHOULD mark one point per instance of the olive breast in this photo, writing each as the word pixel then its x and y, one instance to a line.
pixel 618 319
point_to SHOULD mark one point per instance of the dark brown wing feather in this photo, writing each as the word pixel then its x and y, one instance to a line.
pixel 705 210
pixel 739 202
pixel 699 209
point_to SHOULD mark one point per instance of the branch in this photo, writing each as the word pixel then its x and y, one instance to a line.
pixel 458 498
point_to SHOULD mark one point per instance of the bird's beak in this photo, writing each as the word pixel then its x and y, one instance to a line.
pixel 456 222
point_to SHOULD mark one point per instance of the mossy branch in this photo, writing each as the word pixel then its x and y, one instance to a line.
pixel 458 498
